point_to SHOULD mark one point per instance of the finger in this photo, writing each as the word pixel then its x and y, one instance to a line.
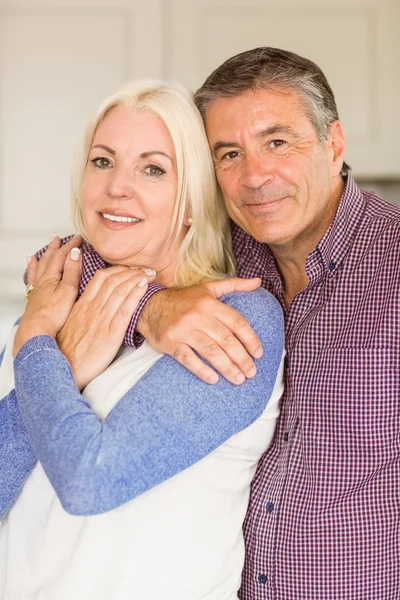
pixel 186 357
pixel 237 324
pixel 57 258
pixel 104 281
pixel 236 360
pixel 233 284
pixel 54 244
pixel 32 269
pixel 206 347
pixel 72 272
pixel 52 262
pixel 124 310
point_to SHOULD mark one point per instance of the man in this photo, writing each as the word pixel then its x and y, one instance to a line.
pixel 324 516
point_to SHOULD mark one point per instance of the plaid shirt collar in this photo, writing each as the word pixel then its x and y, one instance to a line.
pixel 329 253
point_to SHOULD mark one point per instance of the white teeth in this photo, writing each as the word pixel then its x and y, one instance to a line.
pixel 120 219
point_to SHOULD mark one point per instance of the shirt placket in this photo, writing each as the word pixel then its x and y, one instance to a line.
pixel 285 443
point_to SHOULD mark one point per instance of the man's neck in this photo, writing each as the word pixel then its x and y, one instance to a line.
pixel 293 274
pixel 291 258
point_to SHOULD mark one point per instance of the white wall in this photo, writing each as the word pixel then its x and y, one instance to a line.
pixel 59 58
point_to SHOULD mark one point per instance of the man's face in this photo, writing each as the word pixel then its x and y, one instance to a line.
pixel 278 180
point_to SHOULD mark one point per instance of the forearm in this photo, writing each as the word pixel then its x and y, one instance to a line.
pixel 17 457
pixel 152 433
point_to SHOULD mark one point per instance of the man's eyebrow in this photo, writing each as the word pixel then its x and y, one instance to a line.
pixel 274 129
pixel 106 148
pixel 150 152
pixel 221 145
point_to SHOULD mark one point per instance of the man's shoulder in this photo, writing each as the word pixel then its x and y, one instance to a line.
pixel 380 209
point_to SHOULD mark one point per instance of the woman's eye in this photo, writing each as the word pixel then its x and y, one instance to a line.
pixel 276 143
pixel 154 170
pixel 101 162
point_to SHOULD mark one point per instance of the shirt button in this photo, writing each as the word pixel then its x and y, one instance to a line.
pixel 332 265
pixel 262 578
pixel 286 436
pixel 269 507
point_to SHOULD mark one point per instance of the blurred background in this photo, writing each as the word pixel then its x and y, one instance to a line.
pixel 59 58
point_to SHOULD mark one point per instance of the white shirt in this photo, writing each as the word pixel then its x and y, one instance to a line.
pixel 182 540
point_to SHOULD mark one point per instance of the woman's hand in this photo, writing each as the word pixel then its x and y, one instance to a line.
pixel 56 282
pixel 96 327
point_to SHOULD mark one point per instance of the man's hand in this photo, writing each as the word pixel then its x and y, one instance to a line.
pixel 193 320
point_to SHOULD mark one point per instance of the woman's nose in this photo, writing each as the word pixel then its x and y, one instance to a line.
pixel 120 184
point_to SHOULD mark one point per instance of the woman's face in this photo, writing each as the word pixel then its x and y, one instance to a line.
pixel 129 190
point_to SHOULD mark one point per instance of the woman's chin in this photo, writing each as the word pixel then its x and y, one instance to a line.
pixel 115 256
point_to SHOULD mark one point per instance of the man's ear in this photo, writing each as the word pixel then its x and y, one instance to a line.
pixel 337 147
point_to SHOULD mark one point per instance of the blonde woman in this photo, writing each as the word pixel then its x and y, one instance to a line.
pixel 143 472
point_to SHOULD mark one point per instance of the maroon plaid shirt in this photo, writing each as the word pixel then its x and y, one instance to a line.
pixel 324 517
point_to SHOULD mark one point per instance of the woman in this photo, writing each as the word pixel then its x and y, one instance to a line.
pixel 130 432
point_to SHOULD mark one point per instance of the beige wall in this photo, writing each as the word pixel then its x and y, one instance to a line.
pixel 58 58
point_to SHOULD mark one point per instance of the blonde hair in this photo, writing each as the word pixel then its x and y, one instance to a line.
pixel 205 252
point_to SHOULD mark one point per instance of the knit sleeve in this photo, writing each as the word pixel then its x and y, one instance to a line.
pixel 17 457
pixel 165 423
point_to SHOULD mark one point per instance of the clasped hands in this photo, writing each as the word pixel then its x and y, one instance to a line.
pixel 188 324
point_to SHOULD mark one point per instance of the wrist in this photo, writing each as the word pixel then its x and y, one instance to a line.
pixel 26 331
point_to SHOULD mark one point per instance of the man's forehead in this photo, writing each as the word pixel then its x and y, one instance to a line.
pixel 259 110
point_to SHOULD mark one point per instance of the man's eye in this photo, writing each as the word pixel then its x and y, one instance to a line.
pixel 154 170
pixel 101 162
pixel 230 155
pixel 276 143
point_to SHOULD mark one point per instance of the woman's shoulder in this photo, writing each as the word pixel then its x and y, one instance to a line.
pixel 255 305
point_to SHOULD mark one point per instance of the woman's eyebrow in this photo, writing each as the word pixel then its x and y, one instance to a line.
pixel 106 148
pixel 150 152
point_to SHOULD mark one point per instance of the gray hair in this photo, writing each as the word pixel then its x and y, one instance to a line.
pixel 263 68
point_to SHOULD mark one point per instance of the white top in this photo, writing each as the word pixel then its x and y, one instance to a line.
pixel 182 540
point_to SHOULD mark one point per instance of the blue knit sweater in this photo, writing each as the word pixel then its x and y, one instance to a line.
pixel 165 423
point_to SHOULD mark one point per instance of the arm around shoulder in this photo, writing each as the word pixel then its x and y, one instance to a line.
pixel 165 423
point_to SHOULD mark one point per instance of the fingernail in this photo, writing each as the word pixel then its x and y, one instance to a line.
pixel 142 282
pixel 149 272
pixel 213 378
pixel 240 378
pixel 75 254
pixel 251 373
pixel 259 352
pixel 28 259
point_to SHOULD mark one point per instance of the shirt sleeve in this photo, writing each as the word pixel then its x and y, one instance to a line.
pixel 133 338
pixel 17 457
pixel 165 423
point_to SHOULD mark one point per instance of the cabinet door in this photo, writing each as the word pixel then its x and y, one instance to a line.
pixel 58 60
pixel 355 42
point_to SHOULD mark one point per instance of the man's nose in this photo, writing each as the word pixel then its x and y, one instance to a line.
pixel 256 171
